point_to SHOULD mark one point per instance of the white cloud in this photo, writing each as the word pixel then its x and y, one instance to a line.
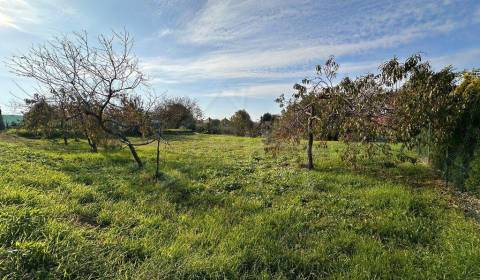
pixel 15 13
pixel 285 39
pixel 270 63
pixel 22 15
pixel 462 59
pixel 234 22
pixel 225 20
pixel 6 21
pixel 252 91
pixel 477 15
pixel 165 32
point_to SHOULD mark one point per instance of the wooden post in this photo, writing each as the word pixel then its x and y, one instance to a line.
pixel 446 168
pixel 310 139
pixel 157 172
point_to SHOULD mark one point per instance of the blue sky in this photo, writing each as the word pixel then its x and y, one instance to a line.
pixel 232 55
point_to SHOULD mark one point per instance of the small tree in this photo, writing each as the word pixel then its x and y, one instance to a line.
pixel 308 108
pixel 40 116
pixel 225 126
pixel 212 126
pixel 2 123
pixel 179 112
pixel 241 123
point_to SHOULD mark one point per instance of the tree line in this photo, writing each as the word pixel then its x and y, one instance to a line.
pixel 43 118
pixel 95 89
pixel 239 124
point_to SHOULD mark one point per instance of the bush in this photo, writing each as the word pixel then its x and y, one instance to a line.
pixel 457 154
pixel 472 183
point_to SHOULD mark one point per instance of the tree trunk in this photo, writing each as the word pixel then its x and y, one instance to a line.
pixel 123 138
pixel 91 143
pixel 310 144
pixel 93 146
pixel 135 155
pixel 64 131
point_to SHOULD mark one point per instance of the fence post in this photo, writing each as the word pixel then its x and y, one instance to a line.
pixel 429 142
pixel 446 168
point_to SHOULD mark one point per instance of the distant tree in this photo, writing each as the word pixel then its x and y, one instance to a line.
pixel 62 105
pixel 266 122
pixel 39 117
pixel 225 126
pixel 179 112
pixel 241 123
pixel 213 126
pixel 2 123
pixel 267 117
pixel 87 126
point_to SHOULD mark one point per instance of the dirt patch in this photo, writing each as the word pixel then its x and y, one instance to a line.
pixel 87 221
pixel 468 203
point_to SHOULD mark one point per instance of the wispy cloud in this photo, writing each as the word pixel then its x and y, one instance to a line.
pixel 16 13
pixel 477 15
pixel 24 15
pixel 328 21
pixel 220 21
pixel 165 32
pixel 269 63
pixel 284 39
pixel 255 91
pixel 7 22
pixel 463 59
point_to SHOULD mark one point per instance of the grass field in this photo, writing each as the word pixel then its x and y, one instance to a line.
pixel 223 209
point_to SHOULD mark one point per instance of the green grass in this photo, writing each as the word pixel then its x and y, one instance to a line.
pixel 223 209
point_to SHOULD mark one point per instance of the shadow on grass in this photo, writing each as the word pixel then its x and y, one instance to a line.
pixel 108 174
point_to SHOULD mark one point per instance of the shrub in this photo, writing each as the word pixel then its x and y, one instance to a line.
pixel 472 183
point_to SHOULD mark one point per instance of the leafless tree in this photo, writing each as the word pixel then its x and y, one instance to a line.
pixel 97 77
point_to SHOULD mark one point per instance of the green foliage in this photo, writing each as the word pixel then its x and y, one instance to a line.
pixel 241 123
pixel 407 102
pixel 472 182
pixel 41 119
pixel 176 115
pixel 456 153
pixel 224 209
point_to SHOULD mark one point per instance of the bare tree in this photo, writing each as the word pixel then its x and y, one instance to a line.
pixel 97 78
